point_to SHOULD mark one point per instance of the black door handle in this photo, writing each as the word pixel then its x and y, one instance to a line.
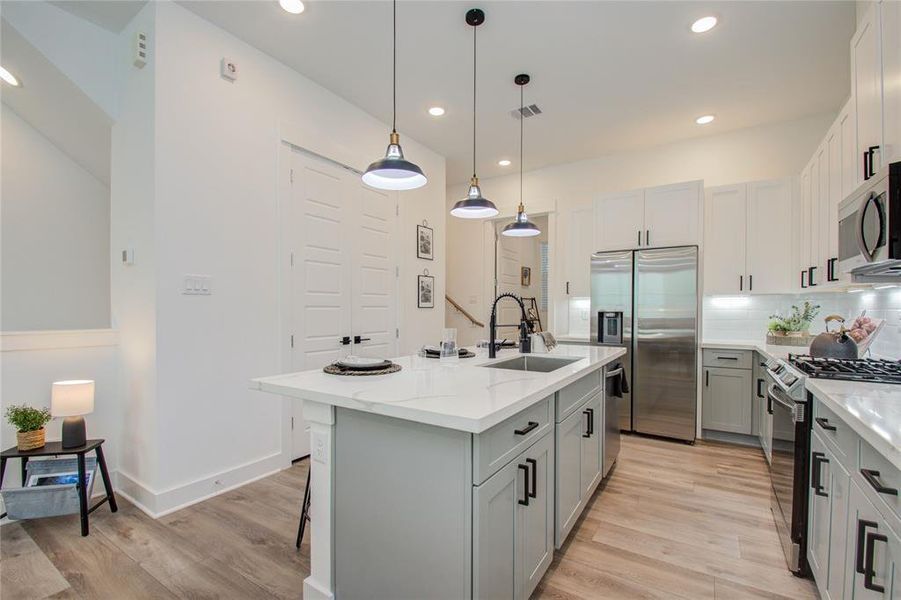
pixel 869 568
pixel 587 432
pixel 358 339
pixel 741 283
pixel 591 421
pixel 750 283
pixel 567 288
pixel 647 237
pixel 759 393
pixel 706 378
pixel 769 404
pixel 803 284
pixel 345 341
pixel 824 424
pixel 810 276
pixel 871 151
pixel 861 534
pixel 866 165
pixel 815 481
pixel 525 485
pixel 532 425
pixel 534 463
pixel 872 478
pixel 830 269
pixel 639 237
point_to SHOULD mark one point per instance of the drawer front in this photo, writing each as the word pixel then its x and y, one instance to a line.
pixel 882 485
pixel 499 445
pixel 573 395
pixel 837 434
pixel 735 359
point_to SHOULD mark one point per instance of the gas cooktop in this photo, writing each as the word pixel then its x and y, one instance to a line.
pixel 861 369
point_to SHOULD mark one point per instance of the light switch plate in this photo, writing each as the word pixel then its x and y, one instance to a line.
pixel 320 447
pixel 228 69
pixel 197 285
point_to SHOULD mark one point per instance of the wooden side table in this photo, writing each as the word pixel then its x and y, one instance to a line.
pixel 56 449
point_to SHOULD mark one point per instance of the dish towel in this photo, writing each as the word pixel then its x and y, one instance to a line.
pixel 619 384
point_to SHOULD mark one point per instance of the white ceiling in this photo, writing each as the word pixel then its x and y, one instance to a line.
pixel 56 107
pixel 113 15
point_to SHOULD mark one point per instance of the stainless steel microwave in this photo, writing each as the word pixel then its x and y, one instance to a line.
pixel 869 229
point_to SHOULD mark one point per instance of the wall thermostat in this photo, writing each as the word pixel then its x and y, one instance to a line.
pixel 228 69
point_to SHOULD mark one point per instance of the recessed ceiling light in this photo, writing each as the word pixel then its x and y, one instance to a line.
pixel 703 24
pixel 705 119
pixel 8 77
pixel 436 111
pixel 295 7
pixel 504 163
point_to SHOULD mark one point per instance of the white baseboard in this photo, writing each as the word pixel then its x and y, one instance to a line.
pixel 158 504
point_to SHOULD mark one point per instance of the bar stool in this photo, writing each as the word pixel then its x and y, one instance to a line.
pixel 305 510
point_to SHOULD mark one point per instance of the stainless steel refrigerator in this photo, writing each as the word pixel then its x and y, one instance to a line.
pixel 647 302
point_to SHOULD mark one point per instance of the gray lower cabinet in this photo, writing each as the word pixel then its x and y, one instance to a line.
pixel 873 558
pixel 827 520
pixel 727 399
pixel 579 444
pixel 514 510
pixel 758 404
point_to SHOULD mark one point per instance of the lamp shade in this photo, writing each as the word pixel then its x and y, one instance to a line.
pixel 394 172
pixel 72 398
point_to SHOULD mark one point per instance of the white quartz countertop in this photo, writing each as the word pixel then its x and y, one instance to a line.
pixel 769 350
pixel 872 410
pixel 461 395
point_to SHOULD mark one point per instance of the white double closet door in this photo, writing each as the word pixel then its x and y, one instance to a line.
pixel 342 271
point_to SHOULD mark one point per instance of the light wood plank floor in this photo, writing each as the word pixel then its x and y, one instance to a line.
pixel 674 521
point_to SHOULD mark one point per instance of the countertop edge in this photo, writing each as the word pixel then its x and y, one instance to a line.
pixel 443 420
pixel 880 444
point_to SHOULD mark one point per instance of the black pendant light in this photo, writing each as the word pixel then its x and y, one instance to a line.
pixel 521 226
pixel 474 205
pixel 394 172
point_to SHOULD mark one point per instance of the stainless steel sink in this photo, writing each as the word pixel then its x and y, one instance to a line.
pixel 539 364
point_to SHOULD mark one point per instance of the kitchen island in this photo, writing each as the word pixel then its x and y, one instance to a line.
pixel 449 480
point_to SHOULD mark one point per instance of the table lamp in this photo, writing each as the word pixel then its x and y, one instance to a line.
pixel 72 399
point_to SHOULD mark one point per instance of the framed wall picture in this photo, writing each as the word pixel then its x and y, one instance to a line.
pixel 425 294
pixel 526 276
pixel 425 238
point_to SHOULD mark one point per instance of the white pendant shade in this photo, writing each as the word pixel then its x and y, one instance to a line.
pixel 394 172
pixel 474 205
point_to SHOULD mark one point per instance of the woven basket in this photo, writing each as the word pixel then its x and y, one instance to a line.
pixel 29 440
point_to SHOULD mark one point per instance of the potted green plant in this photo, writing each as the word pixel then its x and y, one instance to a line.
pixel 793 329
pixel 29 423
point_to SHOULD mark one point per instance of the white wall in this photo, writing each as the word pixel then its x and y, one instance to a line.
pixel 766 152
pixel 55 235
pixel 210 206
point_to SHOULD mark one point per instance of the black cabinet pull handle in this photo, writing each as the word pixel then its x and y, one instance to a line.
pixel 759 383
pixel 803 281
pixel 587 432
pixel 534 463
pixel 872 478
pixel 741 283
pixel 358 339
pixel 830 269
pixel 706 378
pixel 861 534
pixel 647 237
pixel 525 485
pixel 824 424
pixel 869 567
pixel 345 341
pixel 720 357
pixel 750 283
pixel 532 425
pixel 866 165
pixel 591 421
pixel 769 404
pixel 816 480
pixel 567 288
pixel 871 151
pixel 639 237
pixel 810 277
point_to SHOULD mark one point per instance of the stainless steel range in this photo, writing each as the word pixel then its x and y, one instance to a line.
pixel 868 370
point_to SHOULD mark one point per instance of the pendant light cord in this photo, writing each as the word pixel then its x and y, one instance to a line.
pixel 521 119
pixel 474 29
pixel 394 72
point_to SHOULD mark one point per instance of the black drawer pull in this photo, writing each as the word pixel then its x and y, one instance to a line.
pixel 591 421
pixel 861 535
pixel 869 567
pixel 525 485
pixel 726 357
pixel 816 481
pixel 824 424
pixel 759 383
pixel 532 425
pixel 534 463
pixel 872 478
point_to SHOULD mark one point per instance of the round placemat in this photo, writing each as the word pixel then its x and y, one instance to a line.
pixel 336 370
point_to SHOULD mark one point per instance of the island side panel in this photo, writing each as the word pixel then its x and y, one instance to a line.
pixel 402 508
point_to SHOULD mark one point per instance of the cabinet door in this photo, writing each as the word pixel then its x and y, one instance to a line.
pixel 579 248
pixel 770 237
pixel 536 536
pixel 814 272
pixel 671 215
pixel 820 509
pixel 804 239
pixel 839 489
pixel 835 143
pixel 866 82
pixel 759 403
pixel 891 81
pixel 727 400
pixel 591 446
pixel 850 164
pixel 725 227
pixel 494 516
pixel 568 492
pixel 619 221
pixel 870 544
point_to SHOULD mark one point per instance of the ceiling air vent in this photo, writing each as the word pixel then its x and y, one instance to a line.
pixel 531 110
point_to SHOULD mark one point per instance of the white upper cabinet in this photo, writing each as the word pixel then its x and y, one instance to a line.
pixel 672 214
pixel 748 238
pixel 866 82
pixel 847 126
pixel 769 237
pixel 725 227
pixel 619 220
pixel 578 246
pixel 891 80
pixel 667 215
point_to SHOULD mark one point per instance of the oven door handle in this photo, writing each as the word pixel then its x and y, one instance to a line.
pixel 773 394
